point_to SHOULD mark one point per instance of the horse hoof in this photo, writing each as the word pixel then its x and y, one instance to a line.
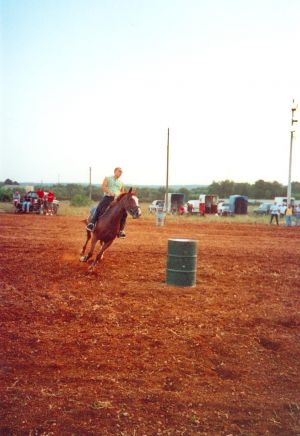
pixel 91 268
pixel 83 258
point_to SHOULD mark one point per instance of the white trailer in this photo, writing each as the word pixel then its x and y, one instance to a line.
pixel 175 201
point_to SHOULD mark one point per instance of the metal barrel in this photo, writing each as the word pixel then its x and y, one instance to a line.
pixel 182 262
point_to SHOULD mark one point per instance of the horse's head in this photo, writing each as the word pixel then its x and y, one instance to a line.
pixel 131 203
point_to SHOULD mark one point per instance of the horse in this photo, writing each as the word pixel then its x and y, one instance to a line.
pixel 108 225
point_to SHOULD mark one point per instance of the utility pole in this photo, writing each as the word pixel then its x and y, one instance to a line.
pixel 90 183
pixel 294 120
pixel 167 179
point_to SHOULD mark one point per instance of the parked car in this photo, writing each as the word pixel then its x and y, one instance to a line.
pixel 38 205
pixel 263 209
pixel 33 204
pixel 224 209
pixel 156 204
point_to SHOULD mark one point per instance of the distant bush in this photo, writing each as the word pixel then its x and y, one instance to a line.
pixel 5 195
pixel 80 200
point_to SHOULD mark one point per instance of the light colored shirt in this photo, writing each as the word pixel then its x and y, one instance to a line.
pixel 274 210
pixel 282 209
pixel 114 185
pixel 289 211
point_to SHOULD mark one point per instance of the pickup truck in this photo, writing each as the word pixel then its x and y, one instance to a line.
pixel 224 209
pixel 156 204
pixel 263 209
pixel 193 206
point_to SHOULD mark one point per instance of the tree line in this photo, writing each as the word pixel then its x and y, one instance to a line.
pixel 258 190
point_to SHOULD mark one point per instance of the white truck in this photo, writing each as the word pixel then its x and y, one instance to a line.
pixel 283 200
pixel 156 205
pixel 193 206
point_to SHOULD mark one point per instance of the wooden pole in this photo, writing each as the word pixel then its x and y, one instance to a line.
pixel 289 187
pixel 167 178
pixel 90 183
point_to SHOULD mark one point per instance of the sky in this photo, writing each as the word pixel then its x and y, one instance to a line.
pixel 97 83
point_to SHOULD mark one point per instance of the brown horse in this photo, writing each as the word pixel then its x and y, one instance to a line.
pixel 108 225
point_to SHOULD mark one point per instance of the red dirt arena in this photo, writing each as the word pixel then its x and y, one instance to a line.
pixel 118 352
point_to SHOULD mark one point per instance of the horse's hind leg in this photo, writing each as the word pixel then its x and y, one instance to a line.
pixel 88 237
pixel 90 253
pixel 100 254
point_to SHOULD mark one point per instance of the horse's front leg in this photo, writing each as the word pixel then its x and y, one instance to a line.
pixel 100 254
pixel 90 253
pixel 88 237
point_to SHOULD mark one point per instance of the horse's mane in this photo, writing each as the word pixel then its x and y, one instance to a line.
pixel 119 198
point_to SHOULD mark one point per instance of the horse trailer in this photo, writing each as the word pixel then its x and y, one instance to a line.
pixel 238 204
pixel 208 204
pixel 175 202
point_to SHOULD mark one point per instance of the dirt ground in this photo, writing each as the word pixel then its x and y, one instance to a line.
pixel 118 352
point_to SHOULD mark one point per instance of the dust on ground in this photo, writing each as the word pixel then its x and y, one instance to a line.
pixel 118 352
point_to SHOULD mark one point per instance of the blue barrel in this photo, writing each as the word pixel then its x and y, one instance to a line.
pixel 182 262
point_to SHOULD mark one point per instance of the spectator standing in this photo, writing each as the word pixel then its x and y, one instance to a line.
pixel 275 212
pixel 297 215
pixel 50 199
pixel 40 194
pixel 45 203
pixel 282 210
pixel 288 215
pixel 181 210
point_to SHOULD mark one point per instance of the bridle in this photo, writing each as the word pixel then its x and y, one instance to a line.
pixel 135 211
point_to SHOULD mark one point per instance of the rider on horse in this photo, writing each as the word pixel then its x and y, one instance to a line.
pixel 112 187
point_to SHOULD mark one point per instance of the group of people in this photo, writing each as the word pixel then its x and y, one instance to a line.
pixel 285 211
pixel 34 201
pixel 45 199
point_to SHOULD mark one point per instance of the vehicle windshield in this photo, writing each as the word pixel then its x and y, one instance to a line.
pixel 32 194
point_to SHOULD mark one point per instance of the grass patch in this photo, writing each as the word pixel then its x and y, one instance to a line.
pixel 7 208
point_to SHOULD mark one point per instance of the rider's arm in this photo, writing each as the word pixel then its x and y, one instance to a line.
pixel 105 189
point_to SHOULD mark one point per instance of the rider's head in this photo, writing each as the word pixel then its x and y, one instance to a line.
pixel 117 172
